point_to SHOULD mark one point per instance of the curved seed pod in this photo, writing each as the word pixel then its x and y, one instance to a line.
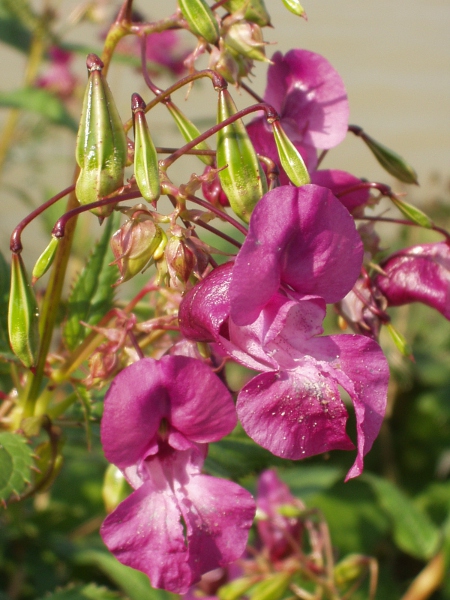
pixel 201 19
pixel 255 10
pixel 45 260
pixel 101 150
pixel 290 158
pixel 392 162
pixel 23 315
pixel 145 156
pixel 243 179
pixel 412 212
pixel 189 131
pixel 295 7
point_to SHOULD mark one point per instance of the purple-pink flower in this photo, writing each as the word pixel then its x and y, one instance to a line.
pixel 293 408
pixel 159 417
pixel 310 97
pixel 418 274
pixel 302 239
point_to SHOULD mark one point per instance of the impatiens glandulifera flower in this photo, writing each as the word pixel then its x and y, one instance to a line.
pixel 165 48
pixel 310 97
pixel 58 78
pixel 418 274
pixel 293 408
pixel 159 417
pixel 340 181
pixel 302 239
pixel 101 150
pixel 276 530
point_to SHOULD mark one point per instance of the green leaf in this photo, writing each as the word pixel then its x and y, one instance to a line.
pixel 414 532
pixel 16 460
pixel 39 101
pixel 92 295
pixel 133 583
pixel 82 592
pixel 15 34
pixel 5 277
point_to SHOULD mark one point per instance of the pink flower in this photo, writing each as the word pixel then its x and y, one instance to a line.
pixel 58 78
pixel 293 408
pixel 418 274
pixel 310 97
pixel 159 417
pixel 302 239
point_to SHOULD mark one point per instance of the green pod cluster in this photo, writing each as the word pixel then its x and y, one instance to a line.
pixel 101 150
pixel 242 177
pixel 290 158
pixel 255 10
pixel 146 169
pixel 200 19
pixel 23 315
pixel 189 131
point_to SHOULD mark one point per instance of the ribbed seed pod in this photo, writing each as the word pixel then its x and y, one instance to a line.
pixel 255 10
pixel 23 315
pixel 145 157
pixel 243 179
pixel 189 131
pixel 393 163
pixel 290 158
pixel 101 150
pixel 201 19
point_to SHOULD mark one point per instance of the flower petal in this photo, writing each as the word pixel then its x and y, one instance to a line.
pixel 418 274
pixel 340 181
pixel 294 414
pixel 301 237
pixel 306 89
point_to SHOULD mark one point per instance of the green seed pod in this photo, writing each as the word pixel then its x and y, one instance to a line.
pixel 23 315
pixel 412 213
pixel 189 131
pixel 45 260
pixel 243 179
pixel 391 161
pixel 290 158
pixel 400 341
pixel 255 10
pixel 145 156
pixel 201 19
pixel 101 150
pixel 295 7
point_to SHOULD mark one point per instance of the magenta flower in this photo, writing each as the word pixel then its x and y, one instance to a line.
pixel 339 182
pixel 302 239
pixel 166 48
pixel 293 408
pixel 418 274
pixel 58 78
pixel 310 97
pixel 177 524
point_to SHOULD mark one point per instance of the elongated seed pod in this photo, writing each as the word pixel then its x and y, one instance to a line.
pixel 145 157
pixel 201 19
pixel 23 315
pixel 290 158
pixel 45 260
pixel 243 179
pixel 295 7
pixel 101 150
pixel 189 131
pixel 392 162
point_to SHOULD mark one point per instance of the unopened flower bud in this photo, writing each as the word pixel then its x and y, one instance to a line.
pixel 243 179
pixel 23 315
pixel 392 162
pixel 180 259
pixel 212 189
pixel 200 19
pixel 101 150
pixel 189 131
pixel 247 39
pixel 45 260
pixel 290 158
pixel 146 169
pixel 251 10
pixel 134 245
pixel 295 7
